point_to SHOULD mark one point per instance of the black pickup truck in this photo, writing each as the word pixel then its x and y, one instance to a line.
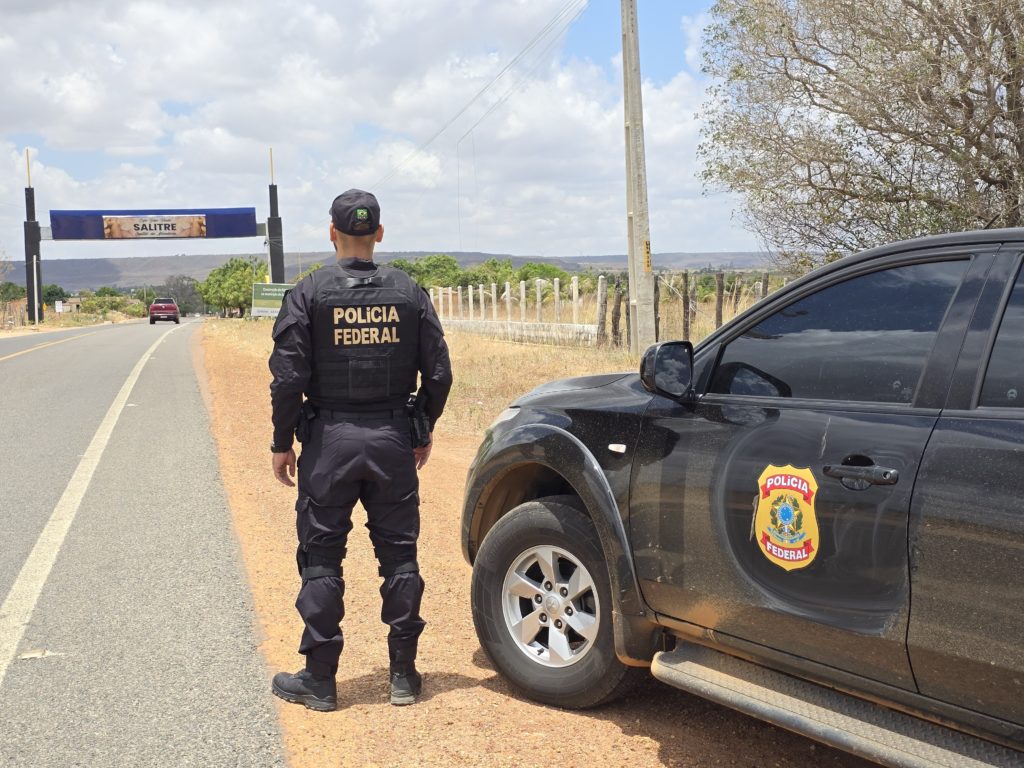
pixel 815 516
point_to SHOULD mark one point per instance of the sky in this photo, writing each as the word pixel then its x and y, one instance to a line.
pixel 481 125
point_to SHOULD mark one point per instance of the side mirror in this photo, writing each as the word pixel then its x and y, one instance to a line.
pixel 667 369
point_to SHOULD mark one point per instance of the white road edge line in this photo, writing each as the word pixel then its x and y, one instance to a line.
pixel 20 603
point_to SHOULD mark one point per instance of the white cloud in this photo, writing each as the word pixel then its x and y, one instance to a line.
pixel 148 103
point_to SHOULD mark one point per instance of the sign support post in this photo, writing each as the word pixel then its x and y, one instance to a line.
pixel 33 238
pixel 275 235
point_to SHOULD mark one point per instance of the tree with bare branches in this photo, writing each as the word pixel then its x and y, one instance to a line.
pixel 6 266
pixel 844 124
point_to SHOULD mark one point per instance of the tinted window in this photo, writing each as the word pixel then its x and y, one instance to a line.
pixel 1004 379
pixel 865 339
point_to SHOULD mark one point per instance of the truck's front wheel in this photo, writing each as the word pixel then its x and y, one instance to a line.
pixel 542 606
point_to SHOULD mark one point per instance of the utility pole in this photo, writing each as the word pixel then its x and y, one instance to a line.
pixel 642 326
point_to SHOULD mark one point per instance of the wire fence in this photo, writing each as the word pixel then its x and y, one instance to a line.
pixel 546 311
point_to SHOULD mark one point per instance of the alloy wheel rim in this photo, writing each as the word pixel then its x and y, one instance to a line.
pixel 550 606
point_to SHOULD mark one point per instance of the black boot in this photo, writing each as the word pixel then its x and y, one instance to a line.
pixel 313 686
pixel 406 684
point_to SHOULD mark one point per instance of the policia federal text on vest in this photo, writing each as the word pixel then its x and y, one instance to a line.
pixel 365 336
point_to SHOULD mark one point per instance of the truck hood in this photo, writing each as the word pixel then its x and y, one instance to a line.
pixel 573 384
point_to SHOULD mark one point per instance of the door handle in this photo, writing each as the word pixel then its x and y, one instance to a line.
pixel 858 478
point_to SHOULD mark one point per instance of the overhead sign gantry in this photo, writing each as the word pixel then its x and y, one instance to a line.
pixel 169 223
pixel 154 224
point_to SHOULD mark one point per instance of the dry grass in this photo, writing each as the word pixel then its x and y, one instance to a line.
pixel 489 373
pixel 249 337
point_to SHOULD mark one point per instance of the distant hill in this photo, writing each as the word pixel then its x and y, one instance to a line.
pixel 89 274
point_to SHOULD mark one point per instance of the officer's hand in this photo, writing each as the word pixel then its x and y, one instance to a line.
pixel 284 465
pixel 422 454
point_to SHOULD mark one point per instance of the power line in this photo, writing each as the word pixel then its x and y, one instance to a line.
pixel 541 58
pixel 515 87
pixel 518 57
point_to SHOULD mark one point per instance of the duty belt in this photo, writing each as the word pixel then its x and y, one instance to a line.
pixel 393 413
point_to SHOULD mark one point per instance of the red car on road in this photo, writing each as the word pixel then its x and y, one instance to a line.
pixel 164 309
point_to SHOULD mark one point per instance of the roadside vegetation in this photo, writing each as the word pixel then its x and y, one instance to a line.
pixel 228 288
pixel 443 270
pixel 843 126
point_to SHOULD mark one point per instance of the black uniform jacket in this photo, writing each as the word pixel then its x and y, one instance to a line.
pixel 290 362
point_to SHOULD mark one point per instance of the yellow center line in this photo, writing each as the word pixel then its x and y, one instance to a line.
pixel 46 344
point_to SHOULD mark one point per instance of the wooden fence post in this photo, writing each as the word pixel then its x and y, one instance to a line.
pixel 719 297
pixel 764 284
pixel 737 288
pixel 616 312
pixel 602 304
pixel 460 302
pixel 508 302
pixel 540 299
pixel 575 300
pixel 657 308
pixel 558 300
pixel 522 301
pixel 693 303
pixel 686 305
pixel 494 301
pixel 480 294
pixel 434 305
pixel 629 316
pixel 472 305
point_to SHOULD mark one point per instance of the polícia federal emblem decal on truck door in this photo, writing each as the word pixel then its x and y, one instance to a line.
pixel 787 529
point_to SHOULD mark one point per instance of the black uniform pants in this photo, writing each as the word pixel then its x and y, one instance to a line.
pixel 345 461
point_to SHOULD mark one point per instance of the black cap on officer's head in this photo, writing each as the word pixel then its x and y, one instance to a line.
pixel 356 213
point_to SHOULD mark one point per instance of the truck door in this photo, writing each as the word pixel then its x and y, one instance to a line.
pixel 967 519
pixel 776 509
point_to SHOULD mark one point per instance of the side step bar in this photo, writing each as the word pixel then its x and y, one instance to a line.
pixel 826 715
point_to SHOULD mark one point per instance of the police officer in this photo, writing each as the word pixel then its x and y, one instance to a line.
pixel 352 337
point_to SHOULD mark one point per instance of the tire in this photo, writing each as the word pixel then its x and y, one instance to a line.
pixel 560 651
pixel 152 321
pixel 177 321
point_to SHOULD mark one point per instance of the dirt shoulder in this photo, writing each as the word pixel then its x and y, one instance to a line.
pixel 31 330
pixel 468 715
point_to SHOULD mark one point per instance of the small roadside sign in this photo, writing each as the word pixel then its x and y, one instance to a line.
pixel 267 298
pixel 58 306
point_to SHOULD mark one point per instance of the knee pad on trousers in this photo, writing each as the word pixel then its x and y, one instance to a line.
pixel 316 562
pixel 393 568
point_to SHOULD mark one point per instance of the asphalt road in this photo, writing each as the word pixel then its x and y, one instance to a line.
pixel 127 634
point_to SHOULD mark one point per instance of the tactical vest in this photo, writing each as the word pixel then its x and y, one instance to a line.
pixel 365 336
